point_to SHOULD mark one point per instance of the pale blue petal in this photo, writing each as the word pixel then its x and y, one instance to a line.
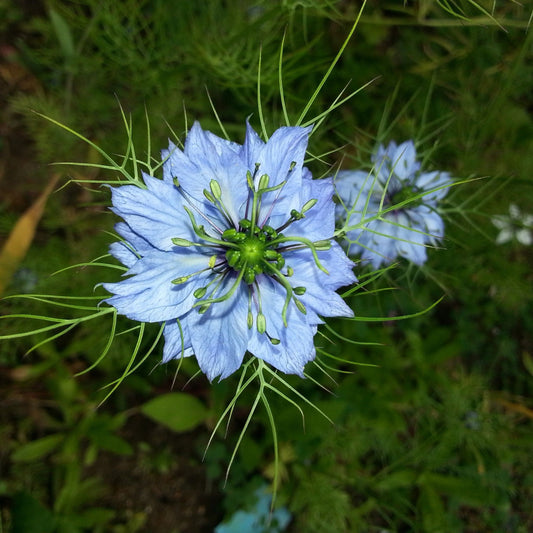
pixel 176 164
pixel 286 146
pixel 353 187
pixel 434 180
pixel 219 336
pixel 403 161
pixel 149 294
pixel 219 160
pixel 131 248
pixel 138 243
pixel 156 214
pixel 296 346
pixel 319 222
pixel 177 341
pixel 320 295
pixel 252 148
pixel 124 253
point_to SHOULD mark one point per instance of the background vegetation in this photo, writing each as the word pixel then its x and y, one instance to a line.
pixel 437 438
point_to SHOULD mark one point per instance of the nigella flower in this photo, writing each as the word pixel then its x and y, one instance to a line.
pixel 517 226
pixel 396 180
pixel 258 518
pixel 232 251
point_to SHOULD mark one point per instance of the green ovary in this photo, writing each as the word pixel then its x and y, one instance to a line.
pixel 404 194
pixel 252 251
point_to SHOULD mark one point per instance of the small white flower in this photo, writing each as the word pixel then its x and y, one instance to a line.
pixel 517 226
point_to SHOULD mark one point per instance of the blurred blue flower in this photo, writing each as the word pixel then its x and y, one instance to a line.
pixel 232 250
pixel 517 226
pixel 258 519
pixel 396 179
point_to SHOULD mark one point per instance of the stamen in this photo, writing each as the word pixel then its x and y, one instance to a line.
pixel 200 231
pixel 225 296
pixel 308 243
pixel 280 188
pixel 186 196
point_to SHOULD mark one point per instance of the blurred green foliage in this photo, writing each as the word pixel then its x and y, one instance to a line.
pixel 436 438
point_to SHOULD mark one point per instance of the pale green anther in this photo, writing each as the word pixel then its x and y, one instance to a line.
pixel 263 181
pixel 245 223
pixel 250 179
pixel 200 292
pixel 181 242
pixel 229 234
pixel 212 261
pixel 290 271
pixel 176 182
pixel 233 257
pixel 299 290
pixel 215 189
pixel 308 205
pixel 322 245
pixel 274 341
pixel 293 164
pixel 270 231
pixel 250 320
pixel 261 323
pixel 209 196
pixel 203 308
pixel 300 306
pixel 296 215
pixel 249 275
pixel 179 281
pixel 271 255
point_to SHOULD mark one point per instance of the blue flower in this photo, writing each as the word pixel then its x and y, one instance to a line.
pixel 232 250
pixel 257 519
pixel 396 179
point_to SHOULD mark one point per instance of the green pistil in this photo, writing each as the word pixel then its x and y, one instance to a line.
pixel 404 195
pixel 252 252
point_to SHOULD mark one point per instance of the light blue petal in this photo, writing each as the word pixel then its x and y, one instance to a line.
pixel 133 246
pixel 200 143
pixel 219 160
pixel 155 214
pixel 433 180
pixel 124 253
pixel 176 164
pixel 240 522
pixel 319 222
pixel 296 346
pixel 286 146
pixel 320 295
pixel 149 294
pixel 252 148
pixel 413 249
pixel 380 248
pixel 403 161
pixel 177 341
pixel 219 336
pixel 353 188
pixel 141 245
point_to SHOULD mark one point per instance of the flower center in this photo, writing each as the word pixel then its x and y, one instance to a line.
pixel 405 194
pixel 254 251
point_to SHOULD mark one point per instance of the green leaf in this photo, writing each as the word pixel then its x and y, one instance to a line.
pixel 28 515
pixel 401 479
pixel 177 411
pixel 63 33
pixel 37 448
pixel 431 509
pixel 113 443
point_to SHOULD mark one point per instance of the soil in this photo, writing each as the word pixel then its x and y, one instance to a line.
pixel 179 499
